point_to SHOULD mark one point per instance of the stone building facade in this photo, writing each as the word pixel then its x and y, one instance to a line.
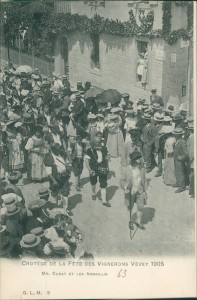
pixel 117 56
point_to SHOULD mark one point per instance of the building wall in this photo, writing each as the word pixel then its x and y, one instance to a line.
pixel 120 10
pixel 168 65
pixel 118 65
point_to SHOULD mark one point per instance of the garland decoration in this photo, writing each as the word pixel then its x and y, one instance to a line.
pixel 166 18
pixel 45 28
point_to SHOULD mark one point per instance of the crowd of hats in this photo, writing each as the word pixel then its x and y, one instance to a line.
pixel 56 236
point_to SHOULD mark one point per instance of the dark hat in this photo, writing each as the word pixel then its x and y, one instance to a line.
pixel 43 192
pixel 169 110
pixel 178 130
pixel 36 204
pixel 38 231
pixel 135 155
pixel 177 117
pixel 153 91
pixel 30 241
pixel 12 210
pixel 14 175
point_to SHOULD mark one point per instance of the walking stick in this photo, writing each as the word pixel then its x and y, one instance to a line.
pixel 130 220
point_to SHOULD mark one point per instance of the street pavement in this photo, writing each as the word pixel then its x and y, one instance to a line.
pixel 169 218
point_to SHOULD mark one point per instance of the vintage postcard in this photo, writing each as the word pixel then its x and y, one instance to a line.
pixel 97 149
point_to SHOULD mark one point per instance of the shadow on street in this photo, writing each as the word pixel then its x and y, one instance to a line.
pixel 148 215
pixel 74 200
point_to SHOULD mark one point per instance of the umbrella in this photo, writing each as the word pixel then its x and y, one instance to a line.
pixel 109 96
pixel 24 69
pixel 92 92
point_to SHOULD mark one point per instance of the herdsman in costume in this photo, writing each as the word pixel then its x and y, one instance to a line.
pixel 134 186
pixel 96 160
pixel 58 168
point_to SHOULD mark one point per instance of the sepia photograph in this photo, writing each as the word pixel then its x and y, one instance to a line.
pixel 97 149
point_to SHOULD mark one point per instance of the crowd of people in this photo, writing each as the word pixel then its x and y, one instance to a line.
pixel 50 130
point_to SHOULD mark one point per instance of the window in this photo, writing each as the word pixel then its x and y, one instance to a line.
pixel 142 47
pixel 95 51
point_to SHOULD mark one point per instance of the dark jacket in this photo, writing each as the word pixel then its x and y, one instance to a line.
pixel 157 100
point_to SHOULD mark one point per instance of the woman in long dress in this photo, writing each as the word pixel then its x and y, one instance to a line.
pixel 169 177
pixel 36 148
pixel 130 123
pixel 115 138
pixel 15 149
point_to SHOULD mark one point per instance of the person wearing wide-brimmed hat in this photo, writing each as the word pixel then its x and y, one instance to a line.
pixel 115 138
pixel 154 98
pixel 128 103
pixel 44 194
pixel 38 217
pixel 29 244
pixel 130 122
pixel 180 159
pixel 77 155
pixel 149 133
pixel 100 123
pixel 13 178
pixel 77 114
pixel 134 185
pixel 12 221
pixel 96 160
pixel 15 148
pixel 178 121
pixel 36 148
pixel 159 142
pixel 169 177
pixel 169 111
pixel 58 167
pixel 133 144
pixel 40 233
pixel 190 145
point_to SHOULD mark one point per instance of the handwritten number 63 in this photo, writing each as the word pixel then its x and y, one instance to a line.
pixel 122 273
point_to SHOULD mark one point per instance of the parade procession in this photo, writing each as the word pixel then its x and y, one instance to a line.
pixel 96 149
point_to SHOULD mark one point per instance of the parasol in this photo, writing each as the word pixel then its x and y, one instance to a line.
pixel 92 92
pixel 109 96
pixel 24 69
